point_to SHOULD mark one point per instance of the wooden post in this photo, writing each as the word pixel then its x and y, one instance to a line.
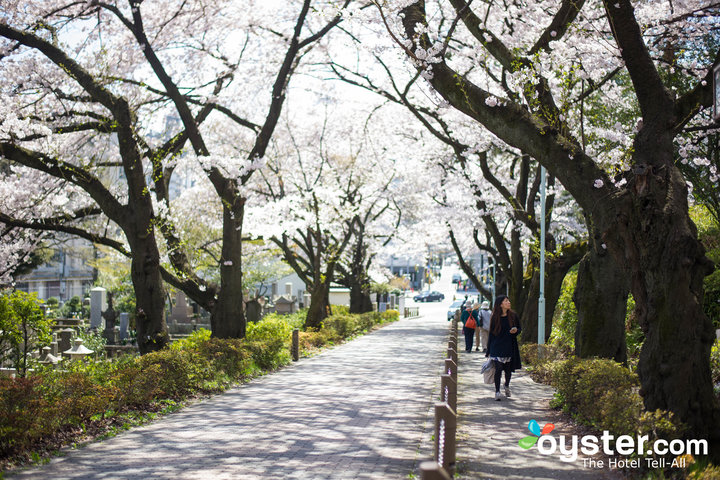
pixel 433 471
pixel 295 345
pixel 448 391
pixel 445 430
pixel 452 355
pixel 451 368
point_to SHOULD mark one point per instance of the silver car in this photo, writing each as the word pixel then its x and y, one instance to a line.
pixel 453 308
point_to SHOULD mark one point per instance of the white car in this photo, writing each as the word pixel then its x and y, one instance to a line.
pixel 453 308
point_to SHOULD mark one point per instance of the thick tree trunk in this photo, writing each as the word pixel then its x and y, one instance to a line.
pixel 227 319
pixel 319 304
pixel 555 270
pixel 601 302
pixel 152 333
pixel 360 301
pixel 654 236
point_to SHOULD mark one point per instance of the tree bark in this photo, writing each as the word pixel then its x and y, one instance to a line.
pixel 555 270
pixel 319 304
pixel 147 282
pixel 655 237
pixel 601 301
pixel 227 319
pixel 360 301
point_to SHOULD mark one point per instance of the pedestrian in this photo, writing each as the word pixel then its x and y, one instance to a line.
pixel 481 333
pixel 502 343
pixel 470 322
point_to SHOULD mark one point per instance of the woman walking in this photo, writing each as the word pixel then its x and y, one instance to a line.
pixel 469 321
pixel 502 344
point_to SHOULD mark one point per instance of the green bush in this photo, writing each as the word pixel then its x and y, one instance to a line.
pixel 709 235
pixel 564 319
pixel 604 394
pixel 269 341
pixel 23 328
pixel 74 308
pixel 175 374
pixel 192 341
pixel 21 406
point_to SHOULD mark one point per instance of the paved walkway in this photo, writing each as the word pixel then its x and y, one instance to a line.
pixel 362 410
pixel 488 430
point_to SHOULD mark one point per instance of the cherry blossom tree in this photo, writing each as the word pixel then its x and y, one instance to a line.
pixel 499 186
pixel 151 63
pixel 334 201
pixel 543 60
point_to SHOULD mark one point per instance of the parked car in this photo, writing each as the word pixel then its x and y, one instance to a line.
pixel 453 308
pixel 429 297
pixel 420 297
pixel 456 278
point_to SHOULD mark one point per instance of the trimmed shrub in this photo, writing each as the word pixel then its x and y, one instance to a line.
pixel 604 394
pixel 22 413
pixel 229 356
pixel 175 374
pixel 268 340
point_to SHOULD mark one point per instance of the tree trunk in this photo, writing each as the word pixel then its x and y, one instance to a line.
pixel 358 281
pixel 555 270
pixel 654 236
pixel 319 304
pixel 227 319
pixel 147 282
pixel 360 301
pixel 601 301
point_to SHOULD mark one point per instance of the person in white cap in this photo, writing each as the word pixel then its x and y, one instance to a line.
pixel 483 330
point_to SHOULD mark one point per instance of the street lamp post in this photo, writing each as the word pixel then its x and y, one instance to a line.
pixel 541 299
pixel 716 93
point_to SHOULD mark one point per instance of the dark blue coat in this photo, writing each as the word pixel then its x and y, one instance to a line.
pixel 505 344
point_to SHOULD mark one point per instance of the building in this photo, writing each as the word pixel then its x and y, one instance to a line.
pixel 64 276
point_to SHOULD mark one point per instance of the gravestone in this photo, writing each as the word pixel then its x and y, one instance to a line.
pixel 97 306
pixel 285 304
pixel 54 345
pixel 65 339
pixel 124 324
pixel 253 311
pixel 181 312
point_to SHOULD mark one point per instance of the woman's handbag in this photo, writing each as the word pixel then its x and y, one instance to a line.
pixel 488 371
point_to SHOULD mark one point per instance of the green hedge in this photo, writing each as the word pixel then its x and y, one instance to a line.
pixel 600 393
pixel 50 402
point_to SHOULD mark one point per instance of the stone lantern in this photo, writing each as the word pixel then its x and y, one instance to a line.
pixel 47 358
pixel 78 350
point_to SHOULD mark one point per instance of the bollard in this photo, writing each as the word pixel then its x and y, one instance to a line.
pixel 452 355
pixel 445 430
pixel 295 345
pixel 448 391
pixel 451 368
pixel 432 471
